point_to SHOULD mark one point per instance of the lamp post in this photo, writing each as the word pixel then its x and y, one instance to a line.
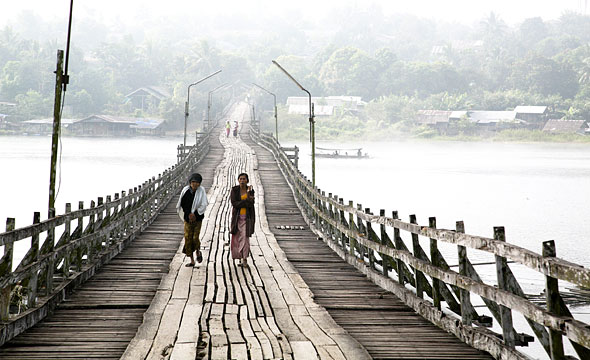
pixel 188 97
pixel 276 118
pixel 210 99
pixel 311 122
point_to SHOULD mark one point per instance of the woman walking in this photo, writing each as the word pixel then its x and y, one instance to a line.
pixel 242 219
pixel 191 209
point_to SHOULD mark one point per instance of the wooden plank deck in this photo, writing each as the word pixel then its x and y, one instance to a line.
pixel 298 300
pixel 100 318
pixel 384 325
pixel 218 310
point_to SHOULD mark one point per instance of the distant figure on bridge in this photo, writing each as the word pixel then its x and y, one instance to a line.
pixel 235 128
pixel 242 219
pixel 227 128
pixel 191 209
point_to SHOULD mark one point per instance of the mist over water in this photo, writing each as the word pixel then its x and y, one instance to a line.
pixel 538 192
pixel 90 168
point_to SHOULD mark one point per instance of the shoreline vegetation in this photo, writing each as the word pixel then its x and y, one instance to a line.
pixel 393 133
pixel 351 128
pixel 516 136
pixel 399 66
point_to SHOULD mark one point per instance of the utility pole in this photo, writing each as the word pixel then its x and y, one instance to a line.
pixel 61 83
pixel 59 78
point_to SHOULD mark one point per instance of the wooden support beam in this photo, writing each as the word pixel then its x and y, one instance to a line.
pixel 505 312
pixel 552 296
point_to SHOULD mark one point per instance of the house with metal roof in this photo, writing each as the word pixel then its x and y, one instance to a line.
pixel 491 117
pixel 103 125
pixel 432 117
pixel 43 126
pixel 147 96
pixel 532 114
pixel 149 126
pixel 107 125
pixel 563 126
pixel 325 106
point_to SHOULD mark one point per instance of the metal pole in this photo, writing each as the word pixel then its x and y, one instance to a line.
pixel 311 122
pixel 276 116
pixel 276 119
pixel 312 126
pixel 210 100
pixel 208 109
pixel 188 98
pixel 56 130
pixel 185 118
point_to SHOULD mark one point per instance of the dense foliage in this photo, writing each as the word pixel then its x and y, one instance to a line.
pixel 398 64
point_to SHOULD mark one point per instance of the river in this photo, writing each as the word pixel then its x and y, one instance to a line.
pixel 537 191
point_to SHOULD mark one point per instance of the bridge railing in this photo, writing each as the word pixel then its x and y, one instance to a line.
pixel 86 239
pixel 363 239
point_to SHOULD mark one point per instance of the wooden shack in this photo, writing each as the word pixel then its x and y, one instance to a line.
pixel 563 126
pixel 533 115
pixel 103 125
pixel 147 97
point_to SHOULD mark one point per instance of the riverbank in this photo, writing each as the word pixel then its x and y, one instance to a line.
pixel 392 134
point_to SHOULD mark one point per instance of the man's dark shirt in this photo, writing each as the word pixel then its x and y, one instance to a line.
pixel 187 203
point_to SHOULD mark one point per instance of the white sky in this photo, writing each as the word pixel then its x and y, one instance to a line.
pixel 465 11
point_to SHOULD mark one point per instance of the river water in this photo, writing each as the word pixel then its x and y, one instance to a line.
pixel 537 191
pixel 90 168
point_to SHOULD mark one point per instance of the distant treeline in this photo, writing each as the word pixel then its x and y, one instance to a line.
pixel 399 64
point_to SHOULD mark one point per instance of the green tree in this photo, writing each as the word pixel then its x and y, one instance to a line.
pixel 32 104
pixel 544 76
pixel 350 71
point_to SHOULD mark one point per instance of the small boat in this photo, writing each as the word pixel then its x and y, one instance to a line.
pixel 354 153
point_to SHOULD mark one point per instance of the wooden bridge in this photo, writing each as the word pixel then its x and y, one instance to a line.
pixel 323 281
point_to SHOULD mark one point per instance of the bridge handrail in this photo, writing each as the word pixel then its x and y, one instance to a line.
pixel 101 232
pixel 355 238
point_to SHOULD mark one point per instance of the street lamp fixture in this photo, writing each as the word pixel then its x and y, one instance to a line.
pixel 188 97
pixel 209 100
pixel 311 122
pixel 276 118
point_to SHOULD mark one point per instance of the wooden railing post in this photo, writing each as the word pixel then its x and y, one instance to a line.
pixel 436 296
pixel 397 241
pixel 505 312
pixel 91 227
pixel 371 236
pixel 124 228
pixel 80 247
pixel 66 237
pixel 362 230
pixel 351 240
pixel 133 203
pixel 464 294
pixel 108 218
pixel 384 258
pixel 5 269
pixel 48 247
pixel 34 279
pixel 342 221
pixel 332 216
pixel 417 273
pixel 553 297
pixel 99 221
pixel 321 205
pixel 115 216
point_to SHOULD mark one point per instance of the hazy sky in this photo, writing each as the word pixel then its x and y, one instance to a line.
pixel 465 11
